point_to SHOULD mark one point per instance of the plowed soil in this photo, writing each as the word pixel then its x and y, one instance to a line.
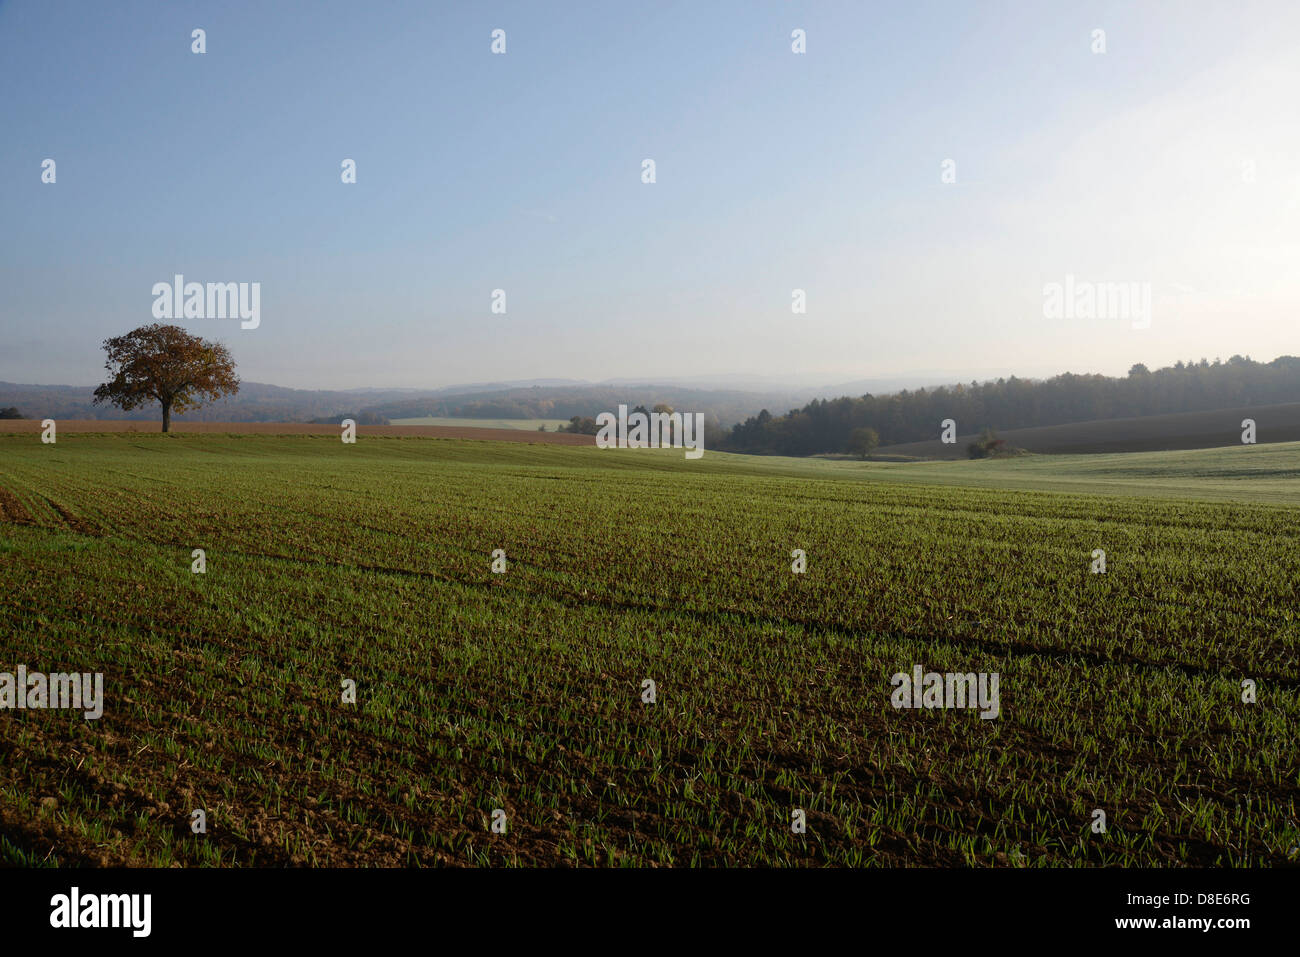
pixel 26 426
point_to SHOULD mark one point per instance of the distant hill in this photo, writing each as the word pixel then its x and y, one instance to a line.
pixel 260 402
pixel 740 420
pixel 724 406
pixel 256 402
pixel 1150 433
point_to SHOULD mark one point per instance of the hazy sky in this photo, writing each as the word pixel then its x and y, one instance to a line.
pixel 1171 159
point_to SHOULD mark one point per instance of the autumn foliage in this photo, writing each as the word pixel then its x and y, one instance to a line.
pixel 165 364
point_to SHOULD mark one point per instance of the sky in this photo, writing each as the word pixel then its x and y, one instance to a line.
pixel 1171 161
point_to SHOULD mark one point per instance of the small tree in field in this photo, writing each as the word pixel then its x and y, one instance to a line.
pixel 987 446
pixel 166 364
pixel 862 442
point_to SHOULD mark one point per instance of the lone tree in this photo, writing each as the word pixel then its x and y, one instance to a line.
pixel 862 442
pixel 167 365
pixel 987 446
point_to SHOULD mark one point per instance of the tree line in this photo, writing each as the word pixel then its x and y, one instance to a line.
pixel 832 425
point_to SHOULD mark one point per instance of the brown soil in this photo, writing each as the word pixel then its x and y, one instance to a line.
pixel 33 426
pixel 11 510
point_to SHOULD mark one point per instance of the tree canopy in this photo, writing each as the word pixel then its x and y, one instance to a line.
pixel 863 441
pixel 167 365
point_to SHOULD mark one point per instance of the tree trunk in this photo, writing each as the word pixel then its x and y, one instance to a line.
pixel 167 416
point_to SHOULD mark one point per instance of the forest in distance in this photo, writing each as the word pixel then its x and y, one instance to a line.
pixel 827 425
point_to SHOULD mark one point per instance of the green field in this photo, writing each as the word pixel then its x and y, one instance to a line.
pixel 522 691
pixel 528 425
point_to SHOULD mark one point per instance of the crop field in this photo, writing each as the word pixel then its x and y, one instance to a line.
pixel 523 691
pixel 528 425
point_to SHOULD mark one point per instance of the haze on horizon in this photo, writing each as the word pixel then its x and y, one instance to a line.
pixel 1171 159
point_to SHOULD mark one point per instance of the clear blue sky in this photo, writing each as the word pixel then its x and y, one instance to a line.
pixel 775 171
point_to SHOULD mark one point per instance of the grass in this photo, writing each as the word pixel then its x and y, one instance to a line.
pixel 522 691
